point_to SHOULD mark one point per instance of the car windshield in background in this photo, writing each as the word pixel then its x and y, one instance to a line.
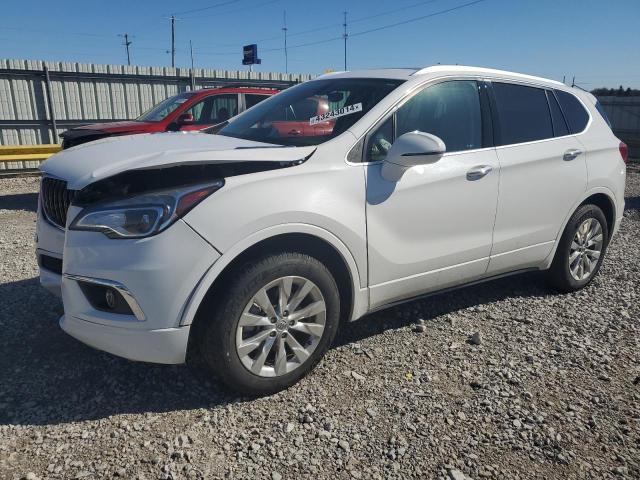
pixel 310 113
pixel 164 108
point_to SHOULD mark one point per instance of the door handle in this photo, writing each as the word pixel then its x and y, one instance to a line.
pixel 476 173
pixel 571 154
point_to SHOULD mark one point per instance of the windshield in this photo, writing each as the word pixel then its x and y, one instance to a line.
pixel 164 108
pixel 310 113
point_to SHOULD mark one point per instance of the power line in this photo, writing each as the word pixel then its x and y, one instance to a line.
pixel 334 25
pixel 221 4
pixel 59 32
pixel 382 27
pixel 225 12
pixel 416 19
pixel 395 10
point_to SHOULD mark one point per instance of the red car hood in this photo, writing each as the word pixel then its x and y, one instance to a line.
pixel 117 127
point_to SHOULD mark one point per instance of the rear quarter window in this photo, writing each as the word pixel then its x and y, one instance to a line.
pixel 576 115
pixel 603 113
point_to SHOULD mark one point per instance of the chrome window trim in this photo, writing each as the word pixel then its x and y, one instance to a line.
pixel 120 288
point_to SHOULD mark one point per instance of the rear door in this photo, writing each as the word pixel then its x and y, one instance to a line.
pixel 251 99
pixel 543 174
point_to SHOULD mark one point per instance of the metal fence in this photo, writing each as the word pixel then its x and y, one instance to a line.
pixel 624 113
pixel 39 100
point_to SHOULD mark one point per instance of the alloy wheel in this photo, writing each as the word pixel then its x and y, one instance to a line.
pixel 585 249
pixel 281 326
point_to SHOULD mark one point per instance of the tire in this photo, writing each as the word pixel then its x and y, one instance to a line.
pixel 227 344
pixel 561 276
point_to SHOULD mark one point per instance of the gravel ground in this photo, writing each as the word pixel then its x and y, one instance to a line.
pixel 503 380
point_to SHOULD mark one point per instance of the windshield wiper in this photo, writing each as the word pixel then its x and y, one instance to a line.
pixel 216 128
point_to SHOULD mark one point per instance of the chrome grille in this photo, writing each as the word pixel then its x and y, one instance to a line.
pixel 55 199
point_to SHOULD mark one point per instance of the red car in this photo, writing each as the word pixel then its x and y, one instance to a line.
pixel 194 110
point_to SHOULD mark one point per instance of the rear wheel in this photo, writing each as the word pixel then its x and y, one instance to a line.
pixel 273 323
pixel 581 250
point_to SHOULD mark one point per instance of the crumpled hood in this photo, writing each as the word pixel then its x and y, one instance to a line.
pixel 90 162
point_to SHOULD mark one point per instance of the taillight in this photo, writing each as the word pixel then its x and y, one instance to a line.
pixel 624 152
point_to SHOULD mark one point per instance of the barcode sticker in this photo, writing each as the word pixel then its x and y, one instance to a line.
pixel 338 112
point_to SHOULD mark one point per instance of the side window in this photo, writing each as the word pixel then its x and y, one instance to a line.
pixel 450 110
pixel 214 109
pixel 379 142
pixel 577 117
pixel 559 125
pixel 523 113
pixel 254 99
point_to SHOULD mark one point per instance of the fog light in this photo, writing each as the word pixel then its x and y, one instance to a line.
pixel 110 298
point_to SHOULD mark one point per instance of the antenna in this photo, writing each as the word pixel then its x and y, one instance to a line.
pixel 345 35
pixel 126 44
pixel 284 29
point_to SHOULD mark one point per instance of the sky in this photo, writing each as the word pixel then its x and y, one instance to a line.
pixel 596 41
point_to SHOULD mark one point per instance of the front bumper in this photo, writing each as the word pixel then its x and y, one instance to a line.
pixel 160 274
pixel 50 242
pixel 51 281
pixel 165 345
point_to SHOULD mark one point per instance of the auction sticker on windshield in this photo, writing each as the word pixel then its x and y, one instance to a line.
pixel 338 112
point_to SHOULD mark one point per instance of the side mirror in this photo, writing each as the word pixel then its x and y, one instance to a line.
pixel 409 150
pixel 185 119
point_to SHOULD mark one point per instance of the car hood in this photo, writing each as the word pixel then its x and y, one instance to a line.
pixel 112 127
pixel 90 162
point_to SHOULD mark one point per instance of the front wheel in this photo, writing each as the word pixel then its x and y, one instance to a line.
pixel 581 250
pixel 272 324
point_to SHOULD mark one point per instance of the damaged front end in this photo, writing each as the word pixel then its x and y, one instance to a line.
pixel 142 203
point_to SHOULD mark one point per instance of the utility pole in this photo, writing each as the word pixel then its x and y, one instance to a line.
pixel 173 40
pixel 345 35
pixel 191 49
pixel 193 80
pixel 286 58
pixel 126 44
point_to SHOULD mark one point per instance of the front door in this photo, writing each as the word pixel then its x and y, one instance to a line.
pixel 212 110
pixel 433 228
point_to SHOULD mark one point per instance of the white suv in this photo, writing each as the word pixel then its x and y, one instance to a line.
pixel 332 199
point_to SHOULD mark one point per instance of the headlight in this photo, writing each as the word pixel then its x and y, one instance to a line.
pixel 142 215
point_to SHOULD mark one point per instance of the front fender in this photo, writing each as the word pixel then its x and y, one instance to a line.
pixel 361 299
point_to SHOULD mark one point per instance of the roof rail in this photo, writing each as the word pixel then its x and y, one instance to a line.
pixel 482 70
